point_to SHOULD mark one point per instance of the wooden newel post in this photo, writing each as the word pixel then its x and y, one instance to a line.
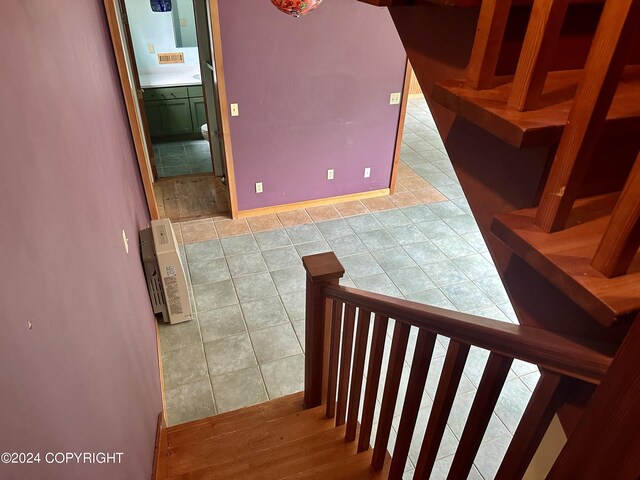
pixel 322 269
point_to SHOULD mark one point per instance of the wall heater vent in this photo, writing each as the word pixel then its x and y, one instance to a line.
pixel 164 272
pixel 175 57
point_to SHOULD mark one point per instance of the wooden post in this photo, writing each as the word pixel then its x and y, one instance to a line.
pixel 621 239
pixel 537 53
pixel 492 24
pixel 322 269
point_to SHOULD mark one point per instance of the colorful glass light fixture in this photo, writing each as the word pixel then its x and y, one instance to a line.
pixel 296 8
pixel 160 5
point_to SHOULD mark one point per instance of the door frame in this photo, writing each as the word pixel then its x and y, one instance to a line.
pixel 135 121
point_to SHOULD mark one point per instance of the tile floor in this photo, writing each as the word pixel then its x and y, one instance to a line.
pixel 182 157
pixel 421 243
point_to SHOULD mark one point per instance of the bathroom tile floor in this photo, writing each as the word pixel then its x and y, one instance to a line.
pixel 182 157
pixel 422 243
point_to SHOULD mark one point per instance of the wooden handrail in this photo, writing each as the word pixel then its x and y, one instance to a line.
pixel 331 376
pixel 548 350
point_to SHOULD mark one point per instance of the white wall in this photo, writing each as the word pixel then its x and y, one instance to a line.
pixel 157 28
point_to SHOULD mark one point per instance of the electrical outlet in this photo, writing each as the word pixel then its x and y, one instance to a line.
pixel 367 172
pixel 330 174
pixel 183 22
pixel 258 187
pixel 394 99
pixel 151 48
pixel 234 110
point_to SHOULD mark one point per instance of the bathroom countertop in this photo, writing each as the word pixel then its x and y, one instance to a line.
pixel 158 77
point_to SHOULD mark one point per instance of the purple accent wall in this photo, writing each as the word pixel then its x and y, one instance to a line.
pixel 313 94
pixel 85 377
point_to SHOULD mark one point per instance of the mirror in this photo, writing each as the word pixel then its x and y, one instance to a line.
pixel 184 23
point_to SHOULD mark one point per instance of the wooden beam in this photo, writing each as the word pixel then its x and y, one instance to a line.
pixel 224 105
pixel 406 86
pixel 131 104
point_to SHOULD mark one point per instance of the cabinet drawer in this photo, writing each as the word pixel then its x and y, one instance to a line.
pixel 166 93
pixel 195 91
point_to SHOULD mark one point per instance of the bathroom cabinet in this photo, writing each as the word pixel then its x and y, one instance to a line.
pixel 198 113
pixel 174 110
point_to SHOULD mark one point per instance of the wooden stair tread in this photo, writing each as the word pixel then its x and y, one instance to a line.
pixel 276 440
pixel 565 257
pixel 225 423
pixel 542 126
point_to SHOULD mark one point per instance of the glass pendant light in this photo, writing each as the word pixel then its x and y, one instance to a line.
pixel 296 8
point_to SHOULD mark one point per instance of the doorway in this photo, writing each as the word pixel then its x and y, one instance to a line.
pixel 173 71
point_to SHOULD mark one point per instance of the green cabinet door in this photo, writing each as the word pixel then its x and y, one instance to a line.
pixel 198 113
pixel 176 116
pixel 154 118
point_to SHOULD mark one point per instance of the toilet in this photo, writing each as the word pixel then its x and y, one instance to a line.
pixel 204 129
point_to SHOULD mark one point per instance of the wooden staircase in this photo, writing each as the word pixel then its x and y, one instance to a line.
pixel 539 109
pixel 585 244
pixel 328 431
pixel 538 104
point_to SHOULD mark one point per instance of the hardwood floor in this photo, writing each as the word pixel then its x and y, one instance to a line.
pixel 191 197
pixel 274 440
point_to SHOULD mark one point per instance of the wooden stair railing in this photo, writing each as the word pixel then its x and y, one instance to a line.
pixel 335 371
pixel 530 107
pixel 603 70
pixel 595 261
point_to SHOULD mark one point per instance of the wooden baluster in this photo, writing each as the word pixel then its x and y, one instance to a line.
pixel 495 373
pixel 362 336
pixel 345 364
pixel 447 387
pixel 373 379
pixel 390 396
pixel 621 239
pixel 322 269
pixel 487 44
pixel 334 354
pixel 619 21
pixel 544 403
pixel 415 389
pixel 537 53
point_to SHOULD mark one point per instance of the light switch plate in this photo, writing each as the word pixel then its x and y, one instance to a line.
pixel 394 99
pixel 151 48
pixel 234 110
